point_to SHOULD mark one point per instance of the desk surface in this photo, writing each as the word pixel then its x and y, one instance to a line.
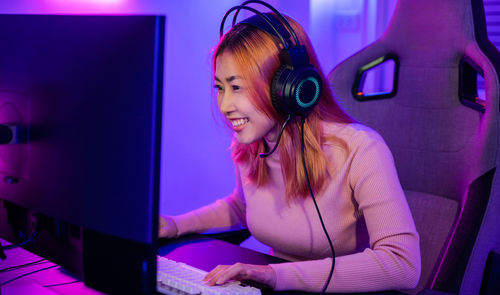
pixel 45 277
pixel 197 250
pixel 206 253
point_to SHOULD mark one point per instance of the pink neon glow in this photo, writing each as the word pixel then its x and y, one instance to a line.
pixel 87 6
pixel 90 2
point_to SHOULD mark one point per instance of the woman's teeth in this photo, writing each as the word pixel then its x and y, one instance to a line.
pixel 239 122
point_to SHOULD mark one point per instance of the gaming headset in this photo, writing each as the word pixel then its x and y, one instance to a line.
pixel 296 85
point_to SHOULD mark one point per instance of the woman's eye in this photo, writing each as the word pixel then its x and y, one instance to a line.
pixel 236 87
pixel 218 87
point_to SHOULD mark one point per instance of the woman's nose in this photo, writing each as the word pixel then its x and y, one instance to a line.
pixel 226 103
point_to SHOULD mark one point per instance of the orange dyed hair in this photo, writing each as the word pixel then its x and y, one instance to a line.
pixel 256 54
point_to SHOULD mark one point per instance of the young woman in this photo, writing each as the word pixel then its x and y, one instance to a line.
pixel 351 172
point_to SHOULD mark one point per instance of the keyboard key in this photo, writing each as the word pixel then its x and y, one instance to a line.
pixel 182 279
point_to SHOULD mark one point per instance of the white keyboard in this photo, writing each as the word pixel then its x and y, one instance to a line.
pixel 179 278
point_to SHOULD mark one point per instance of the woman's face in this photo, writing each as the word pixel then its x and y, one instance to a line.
pixel 234 102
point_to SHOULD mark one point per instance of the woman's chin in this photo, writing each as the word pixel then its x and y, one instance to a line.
pixel 244 139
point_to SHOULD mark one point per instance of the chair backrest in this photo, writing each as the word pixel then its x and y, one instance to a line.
pixel 444 139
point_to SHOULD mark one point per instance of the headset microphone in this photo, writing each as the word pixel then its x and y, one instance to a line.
pixel 264 155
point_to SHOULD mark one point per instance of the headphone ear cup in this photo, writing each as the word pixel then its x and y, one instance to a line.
pixel 277 90
pixel 297 91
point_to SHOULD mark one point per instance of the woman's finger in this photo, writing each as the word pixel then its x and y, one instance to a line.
pixel 214 274
pixel 264 275
pixel 234 272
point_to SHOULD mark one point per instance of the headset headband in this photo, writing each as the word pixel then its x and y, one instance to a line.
pixel 283 19
pixel 260 14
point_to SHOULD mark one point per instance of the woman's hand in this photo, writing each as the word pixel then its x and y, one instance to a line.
pixel 261 274
pixel 167 228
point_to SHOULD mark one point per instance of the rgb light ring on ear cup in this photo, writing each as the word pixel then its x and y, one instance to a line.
pixel 302 90
pixel 288 86
pixel 312 101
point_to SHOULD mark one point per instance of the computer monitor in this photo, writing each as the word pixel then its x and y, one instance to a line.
pixel 82 95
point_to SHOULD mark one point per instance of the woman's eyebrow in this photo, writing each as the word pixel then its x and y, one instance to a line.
pixel 229 79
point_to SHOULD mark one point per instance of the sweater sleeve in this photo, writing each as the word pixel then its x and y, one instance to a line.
pixel 393 260
pixel 223 214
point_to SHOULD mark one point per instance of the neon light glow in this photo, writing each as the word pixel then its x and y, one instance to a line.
pixel 96 2
pixel 90 2
pixel 86 6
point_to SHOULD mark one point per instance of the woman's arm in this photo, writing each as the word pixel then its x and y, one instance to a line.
pixel 222 214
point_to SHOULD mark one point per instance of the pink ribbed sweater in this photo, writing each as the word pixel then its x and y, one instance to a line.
pixel 364 209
